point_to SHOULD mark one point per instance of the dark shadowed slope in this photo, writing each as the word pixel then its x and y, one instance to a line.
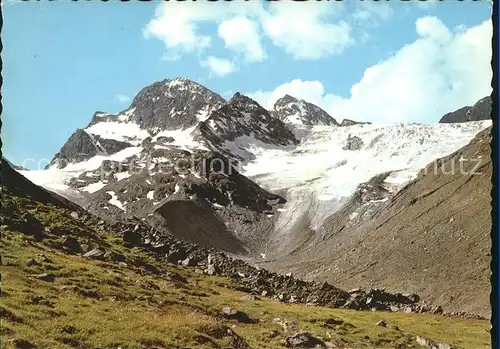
pixel 17 184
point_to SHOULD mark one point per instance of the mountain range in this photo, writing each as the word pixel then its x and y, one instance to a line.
pixel 401 207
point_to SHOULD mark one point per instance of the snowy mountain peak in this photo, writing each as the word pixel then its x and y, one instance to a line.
pixel 286 99
pixel 240 124
pixel 168 105
pixel 173 104
pixel 299 112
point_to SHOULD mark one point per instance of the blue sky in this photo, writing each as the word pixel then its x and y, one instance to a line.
pixel 382 62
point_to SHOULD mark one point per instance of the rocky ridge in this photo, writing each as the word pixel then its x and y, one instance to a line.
pixel 481 110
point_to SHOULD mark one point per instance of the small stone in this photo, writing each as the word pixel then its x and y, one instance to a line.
pixel 22 344
pixel 133 238
pixel 303 340
pixel 32 263
pixel 249 297
pixel 46 277
pixel 68 330
pixel 114 257
pixel 173 276
pixel 438 310
pixel 382 323
pixel 94 253
pixel 188 262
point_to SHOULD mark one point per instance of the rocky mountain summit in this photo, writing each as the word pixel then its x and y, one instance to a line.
pixel 479 111
pixel 174 103
pixel 82 146
pixel 297 111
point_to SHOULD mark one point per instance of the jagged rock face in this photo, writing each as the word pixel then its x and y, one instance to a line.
pixel 479 111
pixel 174 103
pixel 353 143
pixel 82 146
pixel 348 122
pixel 297 111
pixel 79 147
pixel 243 117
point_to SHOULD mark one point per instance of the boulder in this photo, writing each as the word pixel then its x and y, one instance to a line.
pixel 94 254
pixel 49 277
pixel 133 238
pixel 71 244
pixel 232 314
pixel 303 340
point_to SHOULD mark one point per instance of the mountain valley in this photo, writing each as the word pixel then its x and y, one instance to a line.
pixel 193 202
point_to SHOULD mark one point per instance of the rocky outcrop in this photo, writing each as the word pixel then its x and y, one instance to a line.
pixel 353 143
pixel 348 122
pixel 79 147
pixel 295 111
pixel 479 111
pixel 82 146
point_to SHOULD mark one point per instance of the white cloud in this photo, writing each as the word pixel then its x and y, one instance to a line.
pixel 440 72
pixel 302 29
pixel 176 23
pixel 122 98
pixel 241 35
pixel 218 66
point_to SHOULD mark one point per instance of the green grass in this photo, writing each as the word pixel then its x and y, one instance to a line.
pixel 103 304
